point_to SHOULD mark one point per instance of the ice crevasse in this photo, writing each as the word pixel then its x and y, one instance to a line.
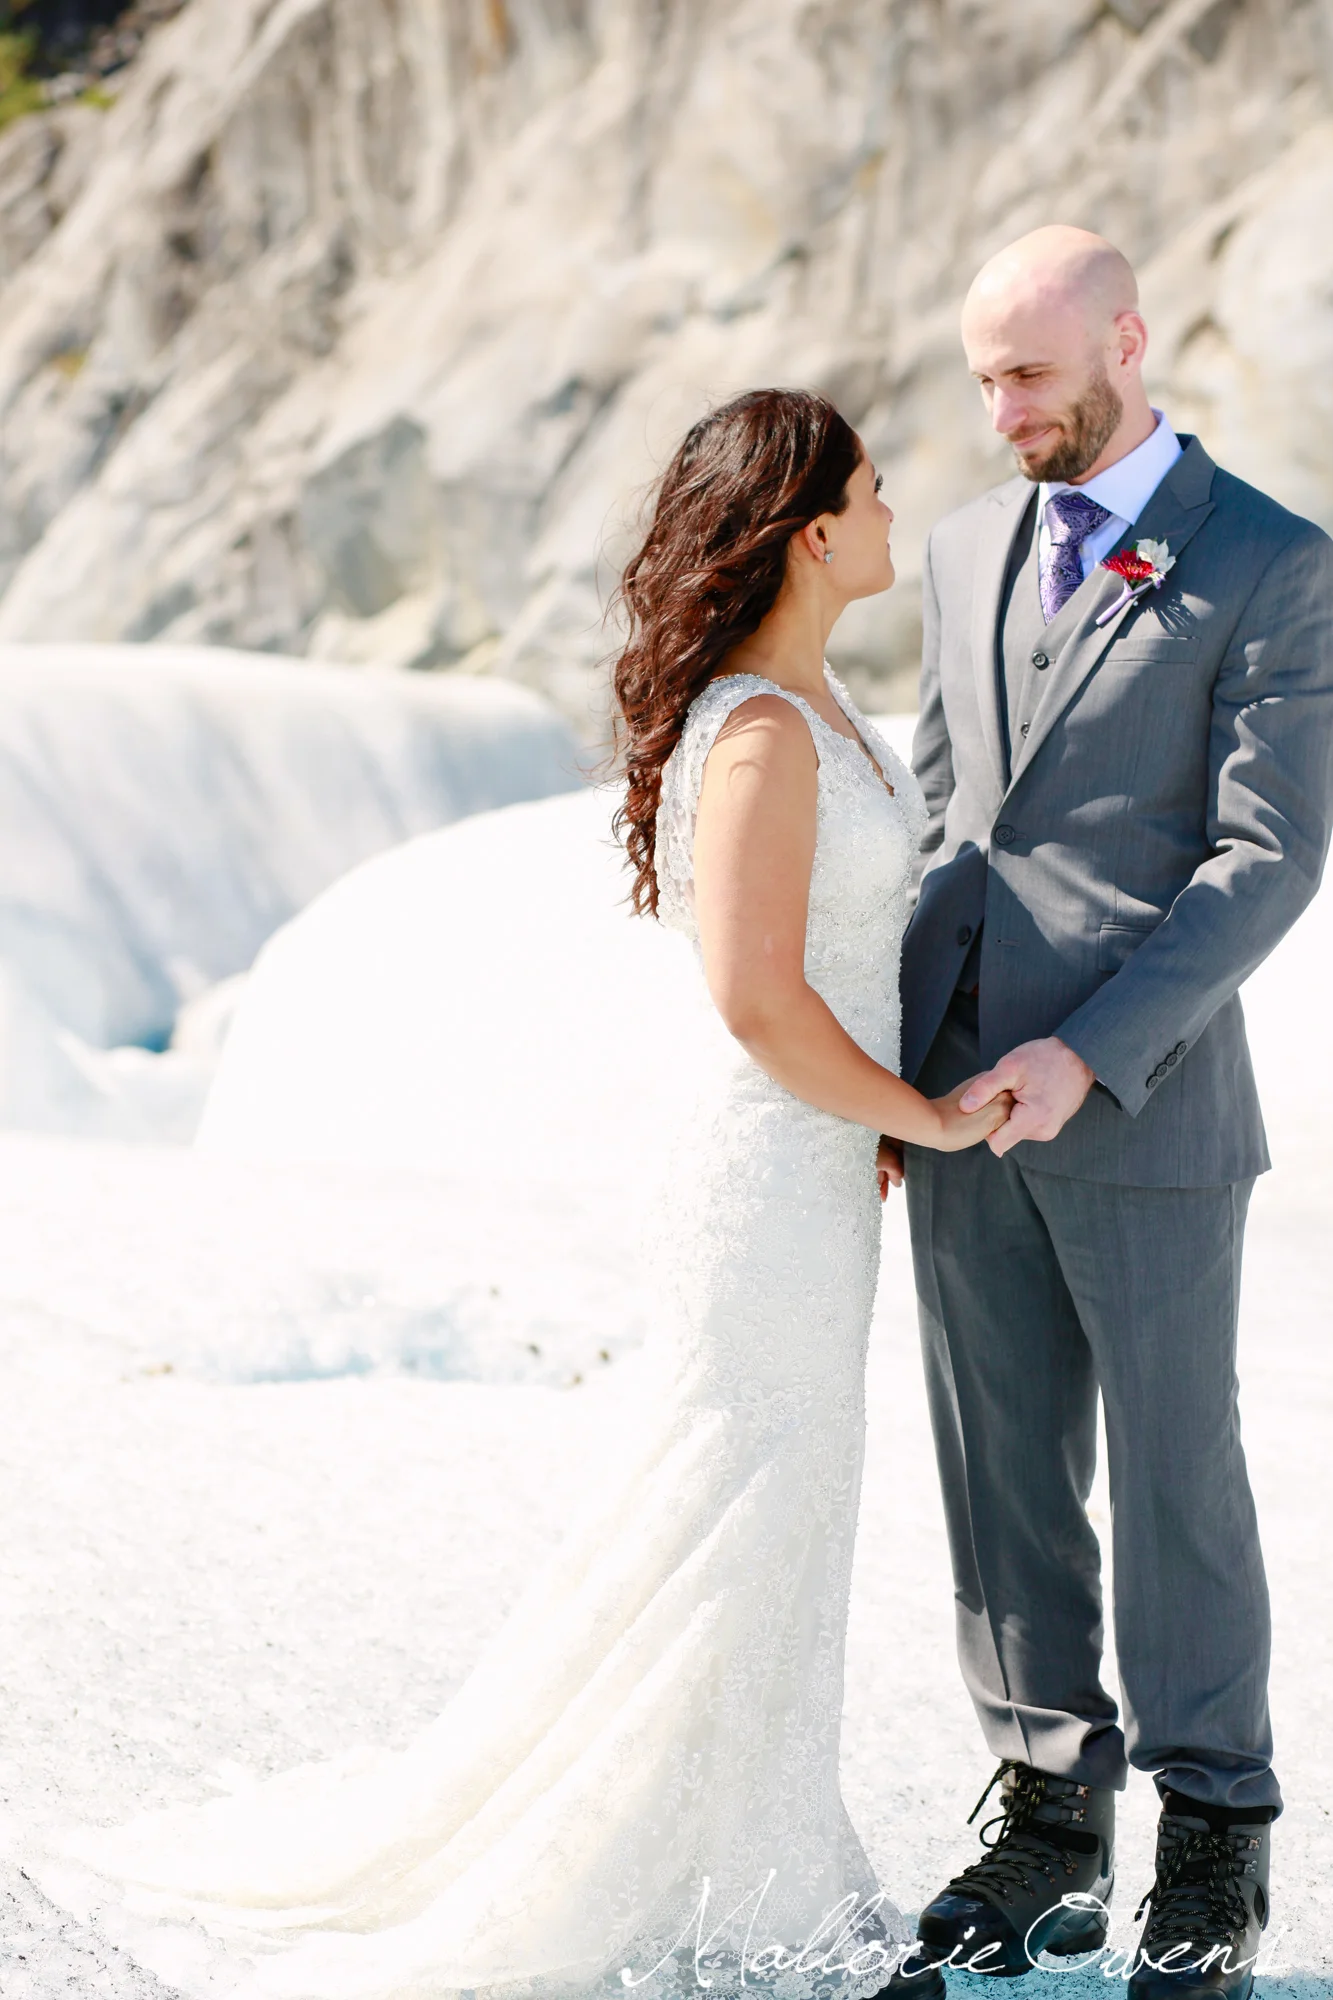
pixel 165 809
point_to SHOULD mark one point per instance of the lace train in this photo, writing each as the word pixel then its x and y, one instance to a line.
pixel 637 1788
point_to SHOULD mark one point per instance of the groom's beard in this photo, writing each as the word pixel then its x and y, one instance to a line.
pixel 1086 429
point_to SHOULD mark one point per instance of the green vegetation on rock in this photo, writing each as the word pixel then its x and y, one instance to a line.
pixel 42 39
pixel 20 91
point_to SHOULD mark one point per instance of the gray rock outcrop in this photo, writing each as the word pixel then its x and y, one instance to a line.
pixel 357 328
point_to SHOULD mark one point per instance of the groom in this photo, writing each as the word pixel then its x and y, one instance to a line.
pixel 1129 806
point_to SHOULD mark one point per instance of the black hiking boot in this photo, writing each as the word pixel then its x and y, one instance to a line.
pixel 1207 1907
pixel 1042 1884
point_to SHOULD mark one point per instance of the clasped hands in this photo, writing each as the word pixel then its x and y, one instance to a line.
pixel 1044 1083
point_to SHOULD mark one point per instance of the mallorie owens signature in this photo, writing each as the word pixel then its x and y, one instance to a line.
pixel 859 1931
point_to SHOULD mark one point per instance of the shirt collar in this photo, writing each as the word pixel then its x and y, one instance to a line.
pixel 1126 487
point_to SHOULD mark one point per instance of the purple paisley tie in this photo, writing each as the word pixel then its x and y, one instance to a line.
pixel 1071 518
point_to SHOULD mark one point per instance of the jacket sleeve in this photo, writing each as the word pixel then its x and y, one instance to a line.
pixel 1270 799
pixel 932 754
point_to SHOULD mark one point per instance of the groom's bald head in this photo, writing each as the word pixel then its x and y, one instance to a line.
pixel 1052 331
pixel 1055 272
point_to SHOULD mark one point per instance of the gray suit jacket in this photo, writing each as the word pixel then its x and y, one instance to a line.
pixel 1164 823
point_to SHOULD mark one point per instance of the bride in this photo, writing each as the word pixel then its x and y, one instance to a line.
pixel 637 1788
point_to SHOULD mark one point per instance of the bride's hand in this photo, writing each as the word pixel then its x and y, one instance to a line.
pixel 889 1166
pixel 961 1129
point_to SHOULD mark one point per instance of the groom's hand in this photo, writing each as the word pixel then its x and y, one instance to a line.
pixel 1048 1082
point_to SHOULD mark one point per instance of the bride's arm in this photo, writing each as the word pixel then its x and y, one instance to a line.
pixel 754 848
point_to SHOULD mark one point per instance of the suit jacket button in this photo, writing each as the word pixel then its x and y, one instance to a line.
pixel 1004 835
pixel 1151 1082
pixel 1172 1060
pixel 965 934
pixel 1181 1047
pixel 1040 660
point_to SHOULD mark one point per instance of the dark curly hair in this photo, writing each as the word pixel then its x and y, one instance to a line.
pixel 747 478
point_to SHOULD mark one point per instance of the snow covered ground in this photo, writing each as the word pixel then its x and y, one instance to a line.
pixel 532 1017
pixel 281 1439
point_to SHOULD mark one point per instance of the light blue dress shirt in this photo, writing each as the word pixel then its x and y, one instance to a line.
pixel 1125 489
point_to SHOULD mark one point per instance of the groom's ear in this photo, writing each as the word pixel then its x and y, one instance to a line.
pixel 1132 338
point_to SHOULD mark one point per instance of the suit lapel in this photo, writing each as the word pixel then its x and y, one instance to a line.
pixel 1000 525
pixel 1174 515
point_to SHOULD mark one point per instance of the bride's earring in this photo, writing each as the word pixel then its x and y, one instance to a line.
pixel 828 555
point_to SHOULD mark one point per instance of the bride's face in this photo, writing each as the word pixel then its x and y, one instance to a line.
pixel 858 538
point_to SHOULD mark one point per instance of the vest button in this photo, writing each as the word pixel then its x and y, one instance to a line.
pixel 1004 835
pixel 1040 660
pixel 965 934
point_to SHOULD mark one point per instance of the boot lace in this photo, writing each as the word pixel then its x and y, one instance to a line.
pixel 1195 1898
pixel 1023 1848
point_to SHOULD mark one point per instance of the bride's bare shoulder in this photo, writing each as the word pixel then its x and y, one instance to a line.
pixel 764 714
pixel 765 751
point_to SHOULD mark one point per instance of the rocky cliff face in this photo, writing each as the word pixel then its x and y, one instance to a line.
pixel 358 327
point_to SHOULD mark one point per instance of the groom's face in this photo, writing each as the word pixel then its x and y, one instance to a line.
pixel 1043 376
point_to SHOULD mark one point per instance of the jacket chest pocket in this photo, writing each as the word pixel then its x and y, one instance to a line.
pixel 1167 631
pixel 1156 648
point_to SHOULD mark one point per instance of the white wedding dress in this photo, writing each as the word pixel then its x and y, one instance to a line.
pixel 637 1788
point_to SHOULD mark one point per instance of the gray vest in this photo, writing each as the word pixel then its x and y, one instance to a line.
pixel 1025 646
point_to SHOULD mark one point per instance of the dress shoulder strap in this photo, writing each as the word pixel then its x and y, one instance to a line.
pixel 682 781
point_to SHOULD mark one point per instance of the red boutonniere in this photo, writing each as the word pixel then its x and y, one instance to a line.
pixel 1141 569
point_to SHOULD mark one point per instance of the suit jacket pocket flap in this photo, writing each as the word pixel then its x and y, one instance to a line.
pixel 1116 942
pixel 1168 629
